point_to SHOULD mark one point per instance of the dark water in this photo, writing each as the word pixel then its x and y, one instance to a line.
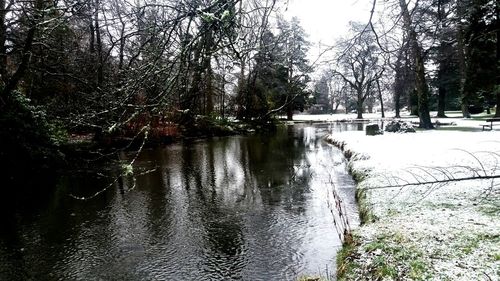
pixel 237 208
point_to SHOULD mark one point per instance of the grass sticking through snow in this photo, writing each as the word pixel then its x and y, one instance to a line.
pixel 388 257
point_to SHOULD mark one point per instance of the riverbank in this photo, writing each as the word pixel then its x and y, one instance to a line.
pixel 446 230
pixel 90 145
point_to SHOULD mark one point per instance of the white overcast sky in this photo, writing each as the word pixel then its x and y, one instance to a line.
pixel 325 20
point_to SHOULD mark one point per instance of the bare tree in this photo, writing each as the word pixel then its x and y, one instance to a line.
pixel 360 67
pixel 33 11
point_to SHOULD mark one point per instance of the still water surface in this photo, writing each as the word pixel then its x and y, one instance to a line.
pixel 236 208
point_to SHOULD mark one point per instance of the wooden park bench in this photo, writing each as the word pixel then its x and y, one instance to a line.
pixel 490 125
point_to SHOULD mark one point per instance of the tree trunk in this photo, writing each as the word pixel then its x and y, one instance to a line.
pixel 441 102
pixel 3 39
pixel 497 112
pixel 191 100
pixel 100 63
pixel 398 82
pixel 441 89
pixel 223 96
pixel 242 92
pixel 402 83
pixel 413 102
pixel 346 101
pixel 421 83
pixel 122 40
pixel 359 110
pixel 92 33
pixel 289 111
pixel 209 90
pixel 497 11
pixel 380 99
pixel 397 105
pixel 465 96
pixel 337 104
pixel 359 104
pixel 289 108
pixel 12 82
pixel 207 69
pixel 122 49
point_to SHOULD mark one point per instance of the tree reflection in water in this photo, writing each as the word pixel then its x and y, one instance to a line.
pixel 236 208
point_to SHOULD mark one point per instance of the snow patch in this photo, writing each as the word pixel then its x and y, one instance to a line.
pixel 454 226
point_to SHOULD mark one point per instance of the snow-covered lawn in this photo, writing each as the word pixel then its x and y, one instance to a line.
pixel 440 231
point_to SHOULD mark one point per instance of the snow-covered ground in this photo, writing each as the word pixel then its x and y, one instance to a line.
pixel 441 231
pixel 453 117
